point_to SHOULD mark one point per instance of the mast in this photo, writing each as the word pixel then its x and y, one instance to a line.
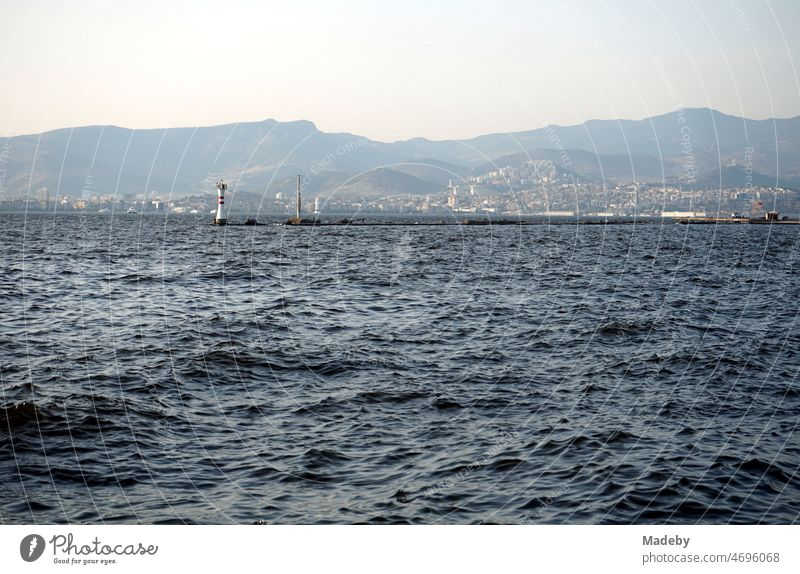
pixel 297 215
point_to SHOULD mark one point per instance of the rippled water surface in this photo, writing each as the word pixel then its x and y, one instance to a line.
pixel 163 370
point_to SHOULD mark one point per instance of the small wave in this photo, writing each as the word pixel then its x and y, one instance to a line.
pixel 307 476
pixel 21 414
pixel 620 436
pixel 443 403
pixel 505 464
pixel 321 457
pixel 621 328
pixel 392 398
pixel 758 466
pixel 330 368
pixel 82 476
pixel 91 424
pixel 140 278
pixel 557 446
pixel 336 403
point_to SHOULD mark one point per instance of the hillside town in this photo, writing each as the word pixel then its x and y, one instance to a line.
pixel 531 189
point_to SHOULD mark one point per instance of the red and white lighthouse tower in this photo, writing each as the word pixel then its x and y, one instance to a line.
pixel 220 218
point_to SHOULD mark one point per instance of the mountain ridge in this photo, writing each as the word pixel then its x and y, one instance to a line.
pixel 685 144
pixel 422 138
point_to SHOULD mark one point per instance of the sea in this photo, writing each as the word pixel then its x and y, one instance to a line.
pixel 156 369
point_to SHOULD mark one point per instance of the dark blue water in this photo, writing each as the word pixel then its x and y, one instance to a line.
pixel 160 370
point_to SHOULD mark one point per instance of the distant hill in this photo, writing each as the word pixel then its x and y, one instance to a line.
pixel 255 156
pixel 373 184
pixel 710 137
pixel 433 170
pixel 608 167
pixel 109 159
pixel 385 182
pixel 738 176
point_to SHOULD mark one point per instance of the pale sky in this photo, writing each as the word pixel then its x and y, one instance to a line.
pixel 392 70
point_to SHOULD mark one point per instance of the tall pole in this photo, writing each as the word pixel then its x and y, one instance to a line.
pixel 297 215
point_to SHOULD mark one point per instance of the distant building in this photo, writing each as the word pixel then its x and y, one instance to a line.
pixel 683 214
pixel 452 197
pixel 44 198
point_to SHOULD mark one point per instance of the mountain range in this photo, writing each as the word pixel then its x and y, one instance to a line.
pixel 693 146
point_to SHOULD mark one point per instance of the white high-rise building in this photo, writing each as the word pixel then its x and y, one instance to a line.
pixel 44 198
pixel 452 198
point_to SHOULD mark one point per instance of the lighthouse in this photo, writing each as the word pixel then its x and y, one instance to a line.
pixel 220 217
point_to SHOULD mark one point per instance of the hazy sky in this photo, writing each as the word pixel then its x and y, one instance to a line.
pixel 392 70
